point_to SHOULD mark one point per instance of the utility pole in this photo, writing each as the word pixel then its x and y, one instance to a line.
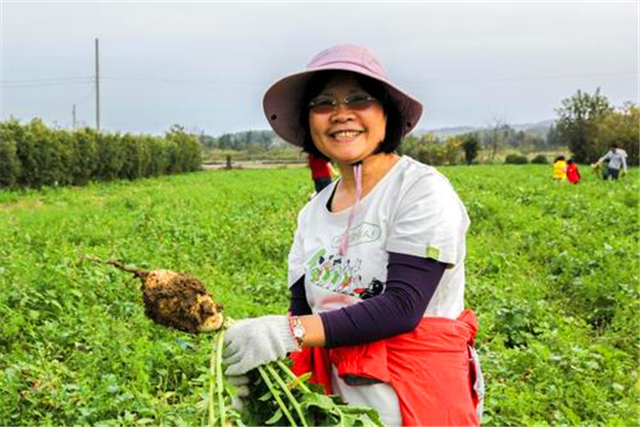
pixel 73 113
pixel 97 89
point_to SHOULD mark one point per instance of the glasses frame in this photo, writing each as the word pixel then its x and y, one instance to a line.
pixel 366 99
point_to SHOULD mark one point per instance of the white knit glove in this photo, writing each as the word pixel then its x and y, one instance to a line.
pixel 241 384
pixel 254 342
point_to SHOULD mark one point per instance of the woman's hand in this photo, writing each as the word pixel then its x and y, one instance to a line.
pixel 253 342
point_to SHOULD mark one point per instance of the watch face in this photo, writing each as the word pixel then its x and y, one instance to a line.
pixel 298 331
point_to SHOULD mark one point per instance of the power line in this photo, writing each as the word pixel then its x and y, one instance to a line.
pixel 529 78
pixel 62 81
pixel 48 79
pixel 184 80
pixel 44 84
pixel 428 80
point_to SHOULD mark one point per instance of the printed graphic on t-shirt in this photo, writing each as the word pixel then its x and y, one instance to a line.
pixel 363 233
pixel 337 274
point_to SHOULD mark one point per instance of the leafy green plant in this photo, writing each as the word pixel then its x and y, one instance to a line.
pixel 540 159
pixel 278 397
pixel 516 159
pixel 551 272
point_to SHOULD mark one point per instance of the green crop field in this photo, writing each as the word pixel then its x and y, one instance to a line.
pixel 552 273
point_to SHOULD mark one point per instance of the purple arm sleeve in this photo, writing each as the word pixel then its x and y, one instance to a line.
pixel 411 282
pixel 299 305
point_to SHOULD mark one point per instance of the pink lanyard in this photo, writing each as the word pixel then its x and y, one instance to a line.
pixel 344 244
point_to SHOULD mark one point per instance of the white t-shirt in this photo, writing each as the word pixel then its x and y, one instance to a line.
pixel 617 158
pixel 413 210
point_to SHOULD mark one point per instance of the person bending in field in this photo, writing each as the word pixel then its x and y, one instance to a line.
pixel 376 269
pixel 573 174
pixel 617 159
pixel 559 169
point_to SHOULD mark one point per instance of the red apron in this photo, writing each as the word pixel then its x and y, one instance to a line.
pixel 430 369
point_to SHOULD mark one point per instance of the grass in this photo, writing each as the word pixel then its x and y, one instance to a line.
pixel 552 273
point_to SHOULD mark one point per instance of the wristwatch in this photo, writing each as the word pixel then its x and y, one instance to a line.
pixel 298 331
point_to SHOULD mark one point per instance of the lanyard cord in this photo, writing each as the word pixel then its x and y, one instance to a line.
pixel 344 244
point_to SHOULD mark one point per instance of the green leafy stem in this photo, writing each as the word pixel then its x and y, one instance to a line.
pixel 277 396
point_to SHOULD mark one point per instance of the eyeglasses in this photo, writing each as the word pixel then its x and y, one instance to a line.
pixel 325 104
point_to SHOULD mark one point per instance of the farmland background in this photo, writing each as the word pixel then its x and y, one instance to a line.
pixel 552 273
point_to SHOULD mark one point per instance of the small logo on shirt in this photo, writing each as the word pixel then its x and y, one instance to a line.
pixel 364 233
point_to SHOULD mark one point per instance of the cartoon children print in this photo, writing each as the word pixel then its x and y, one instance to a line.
pixel 335 274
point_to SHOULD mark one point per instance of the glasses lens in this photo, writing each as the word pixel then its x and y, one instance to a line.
pixel 326 104
pixel 359 101
pixel 322 104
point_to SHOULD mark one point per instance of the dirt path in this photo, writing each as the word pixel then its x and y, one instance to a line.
pixel 255 165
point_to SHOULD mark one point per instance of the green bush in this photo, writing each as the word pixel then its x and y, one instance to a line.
pixel 33 155
pixel 86 161
pixel 516 159
pixel 540 159
pixel 185 150
pixel 9 161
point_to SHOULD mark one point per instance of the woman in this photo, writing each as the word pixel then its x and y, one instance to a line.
pixel 376 270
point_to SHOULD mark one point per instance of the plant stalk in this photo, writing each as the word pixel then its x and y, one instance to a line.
pixel 293 376
pixel 219 381
pixel 276 396
pixel 213 373
pixel 288 393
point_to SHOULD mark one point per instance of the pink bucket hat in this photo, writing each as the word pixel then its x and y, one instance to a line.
pixel 283 100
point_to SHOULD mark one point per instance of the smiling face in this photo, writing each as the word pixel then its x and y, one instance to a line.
pixel 347 135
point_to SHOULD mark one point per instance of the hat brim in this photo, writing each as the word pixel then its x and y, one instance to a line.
pixel 283 101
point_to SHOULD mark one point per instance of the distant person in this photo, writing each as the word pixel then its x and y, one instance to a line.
pixel 559 169
pixel 573 174
pixel 321 172
pixel 617 158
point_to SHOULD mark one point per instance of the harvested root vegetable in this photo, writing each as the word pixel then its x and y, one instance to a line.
pixel 175 299
pixel 277 396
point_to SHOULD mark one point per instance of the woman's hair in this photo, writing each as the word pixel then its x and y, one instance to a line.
pixel 570 161
pixel 558 158
pixel 317 82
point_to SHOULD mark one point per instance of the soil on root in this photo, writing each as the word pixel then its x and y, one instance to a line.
pixel 175 299
pixel 178 300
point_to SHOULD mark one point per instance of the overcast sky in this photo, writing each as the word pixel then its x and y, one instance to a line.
pixel 207 65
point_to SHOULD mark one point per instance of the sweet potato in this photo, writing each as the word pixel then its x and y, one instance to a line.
pixel 174 299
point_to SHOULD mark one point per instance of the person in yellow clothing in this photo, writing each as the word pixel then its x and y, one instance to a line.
pixel 560 169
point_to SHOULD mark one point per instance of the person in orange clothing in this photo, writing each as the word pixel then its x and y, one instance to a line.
pixel 573 174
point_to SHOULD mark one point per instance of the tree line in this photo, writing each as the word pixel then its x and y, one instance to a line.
pixel 589 124
pixel 255 140
pixel 33 155
pixel 586 124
